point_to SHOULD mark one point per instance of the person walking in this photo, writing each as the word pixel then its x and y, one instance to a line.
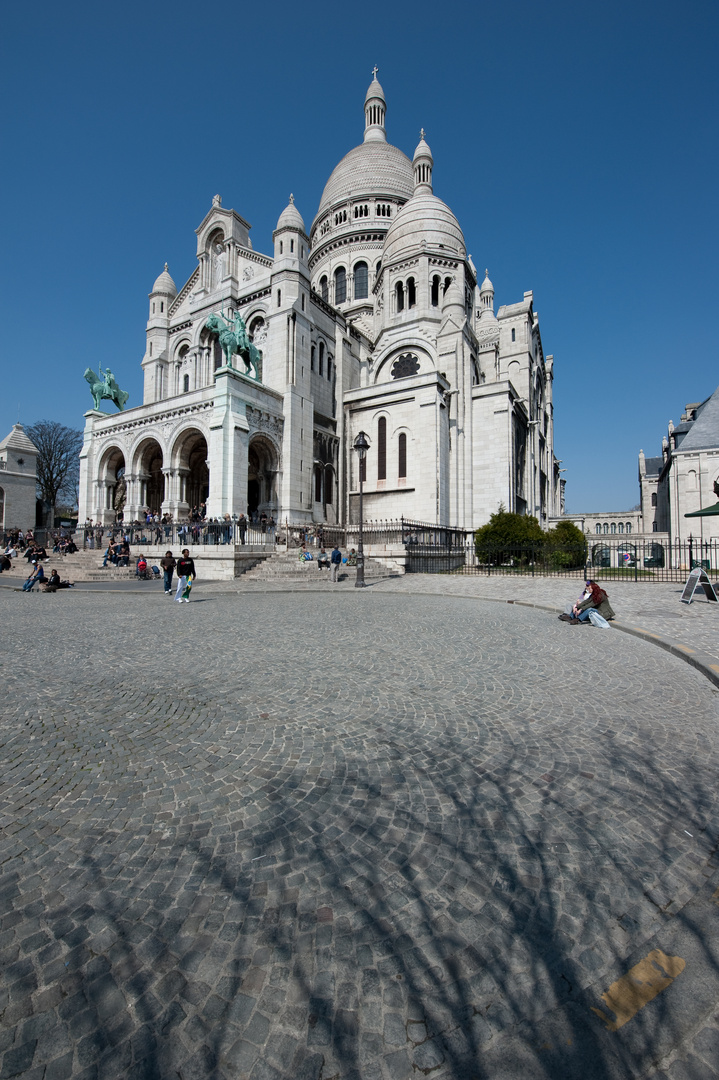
pixel 336 562
pixel 186 574
pixel 168 565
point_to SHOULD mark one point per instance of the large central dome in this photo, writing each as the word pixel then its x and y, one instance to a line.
pixel 372 168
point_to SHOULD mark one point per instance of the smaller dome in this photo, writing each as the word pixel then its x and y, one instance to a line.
pixel 165 284
pixel 374 91
pixel 424 222
pixel 487 285
pixel 423 150
pixel 291 218
pixel 454 297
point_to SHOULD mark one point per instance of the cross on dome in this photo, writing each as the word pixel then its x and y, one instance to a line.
pixel 375 69
pixel 421 133
pixel 292 198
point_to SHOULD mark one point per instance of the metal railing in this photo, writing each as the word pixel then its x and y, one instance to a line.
pixel 601 559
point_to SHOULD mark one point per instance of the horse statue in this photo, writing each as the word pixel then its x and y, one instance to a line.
pixel 104 386
pixel 234 339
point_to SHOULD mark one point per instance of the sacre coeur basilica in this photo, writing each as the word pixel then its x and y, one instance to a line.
pixel 374 320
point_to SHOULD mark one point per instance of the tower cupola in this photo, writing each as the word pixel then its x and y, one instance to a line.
pixel 422 163
pixel 375 107
pixel 486 294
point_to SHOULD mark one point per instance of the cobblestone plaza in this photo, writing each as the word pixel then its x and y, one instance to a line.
pixel 356 834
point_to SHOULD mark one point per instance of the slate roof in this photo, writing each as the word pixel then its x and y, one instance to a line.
pixel 18 440
pixel 653 465
pixel 704 432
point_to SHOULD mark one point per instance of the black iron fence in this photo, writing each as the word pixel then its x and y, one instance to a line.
pixel 432 549
pixel 601 559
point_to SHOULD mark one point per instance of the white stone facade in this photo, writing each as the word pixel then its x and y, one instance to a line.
pixel 683 479
pixel 18 483
pixel 372 320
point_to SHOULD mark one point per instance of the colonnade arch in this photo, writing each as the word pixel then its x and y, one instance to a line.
pixel 112 485
pixel 149 477
pixel 189 472
pixel 262 471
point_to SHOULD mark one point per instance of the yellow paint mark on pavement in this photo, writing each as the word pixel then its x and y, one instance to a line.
pixel 685 648
pixel 714 667
pixel 639 986
pixel 643 631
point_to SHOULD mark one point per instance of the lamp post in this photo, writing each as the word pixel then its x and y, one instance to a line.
pixel 361 445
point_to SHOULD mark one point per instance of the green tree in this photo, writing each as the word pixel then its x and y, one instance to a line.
pixel 504 533
pixel 58 462
pixel 565 546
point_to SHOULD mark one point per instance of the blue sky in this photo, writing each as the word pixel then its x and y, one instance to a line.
pixel 577 145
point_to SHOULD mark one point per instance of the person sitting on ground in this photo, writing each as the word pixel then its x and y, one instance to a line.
pixel 323 560
pixel 53 583
pixel 352 557
pixel 141 569
pixel 594 598
pixel 35 577
pixel 5 563
pixel 304 555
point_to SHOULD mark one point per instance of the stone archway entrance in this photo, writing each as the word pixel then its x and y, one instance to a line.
pixel 198 478
pixel 150 477
pixel 262 468
pixel 113 475
pixel 191 471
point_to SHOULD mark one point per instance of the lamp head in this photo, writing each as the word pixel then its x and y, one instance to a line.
pixel 361 445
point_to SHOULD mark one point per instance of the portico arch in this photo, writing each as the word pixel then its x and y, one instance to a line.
pixel 262 470
pixel 190 472
pixel 112 485
pixel 148 478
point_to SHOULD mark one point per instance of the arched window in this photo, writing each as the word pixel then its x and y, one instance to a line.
pixel 185 383
pixel 411 293
pixel 340 285
pixel 598 529
pixel 514 334
pixel 361 281
pixel 654 498
pixel 322 358
pixel 382 448
pixel 606 527
pixel 324 288
pixel 436 281
pixel 312 358
pixel 318 483
pixel 621 526
pixel 629 526
pixel 399 293
pixel 655 527
pixel 402 456
pixel 614 526
pixel 447 283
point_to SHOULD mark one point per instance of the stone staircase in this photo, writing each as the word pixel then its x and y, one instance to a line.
pixel 284 567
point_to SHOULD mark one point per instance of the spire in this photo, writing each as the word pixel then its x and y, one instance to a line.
pixel 422 163
pixel 486 294
pixel 375 108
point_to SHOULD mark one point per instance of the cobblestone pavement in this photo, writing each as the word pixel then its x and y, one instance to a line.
pixel 368 835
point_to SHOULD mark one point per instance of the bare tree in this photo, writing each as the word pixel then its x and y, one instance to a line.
pixel 58 462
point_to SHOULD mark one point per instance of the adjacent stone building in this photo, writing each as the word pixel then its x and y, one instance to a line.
pixel 372 319
pixel 682 480
pixel 18 481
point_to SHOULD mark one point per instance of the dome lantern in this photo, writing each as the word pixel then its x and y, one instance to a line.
pixel 486 294
pixel 375 108
pixel 422 163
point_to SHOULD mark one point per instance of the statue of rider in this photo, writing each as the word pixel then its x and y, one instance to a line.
pixel 108 380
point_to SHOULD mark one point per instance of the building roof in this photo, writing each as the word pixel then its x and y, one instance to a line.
pixel 372 168
pixel 425 219
pixel 291 218
pixel 703 433
pixel 18 440
pixel 164 284
pixel 653 465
